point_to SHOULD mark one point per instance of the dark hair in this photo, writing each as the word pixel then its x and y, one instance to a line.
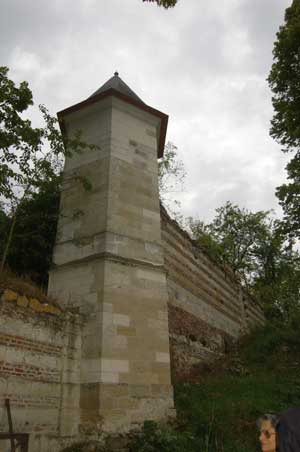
pixel 274 421
pixel 273 418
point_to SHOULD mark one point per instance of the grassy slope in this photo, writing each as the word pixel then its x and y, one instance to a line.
pixel 262 376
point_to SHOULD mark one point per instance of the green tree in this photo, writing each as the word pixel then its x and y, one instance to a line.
pixel 277 285
pixel 285 126
pixel 171 177
pixel 34 235
pixel 233 238
pixel 255 248
pixel 165 3
pixel 4 221
pixel 30 158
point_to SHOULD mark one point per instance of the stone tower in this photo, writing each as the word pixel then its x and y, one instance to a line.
pixel 108 258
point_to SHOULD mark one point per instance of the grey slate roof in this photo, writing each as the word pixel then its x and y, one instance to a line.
pixel 117 84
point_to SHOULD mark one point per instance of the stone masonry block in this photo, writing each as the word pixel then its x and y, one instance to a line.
pixel 109 377
pixel 121 320
pixel 120 342
pixel 35 305
pixel 9 295
pixel 115 390
pixel 151 275
pixel 127 403
pixel 126 331
pixel 22 301
pixel 89 396
pixel 114 365
pixel 140 391
pixel 162 357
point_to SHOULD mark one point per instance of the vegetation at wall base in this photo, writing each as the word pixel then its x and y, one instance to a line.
pixel 24 285
pixel 86 446
pixel 218 413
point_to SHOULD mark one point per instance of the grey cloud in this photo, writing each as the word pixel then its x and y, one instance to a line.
pixel 261 20
pixel 203 63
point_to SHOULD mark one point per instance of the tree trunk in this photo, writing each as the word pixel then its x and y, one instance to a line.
pixel 8 242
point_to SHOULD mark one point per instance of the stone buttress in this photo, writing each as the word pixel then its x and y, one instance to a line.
pixel 108 259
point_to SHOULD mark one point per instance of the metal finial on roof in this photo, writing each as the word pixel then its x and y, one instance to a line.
pixel 117 84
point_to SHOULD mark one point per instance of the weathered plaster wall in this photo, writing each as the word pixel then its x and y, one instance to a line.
pixel 39 370
pixel 207 307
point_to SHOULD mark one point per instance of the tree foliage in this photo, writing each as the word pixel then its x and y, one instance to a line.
pixel 171 172
pixel 255 248
pixel 165 3
pixel 235 237
pixel 289 197
pixel 34 235
pixel 171 177
pixel 30 158
pixel 284 82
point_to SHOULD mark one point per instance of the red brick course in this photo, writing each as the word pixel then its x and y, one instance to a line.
pixel 29 344
pixel 192 342
pixel 29 372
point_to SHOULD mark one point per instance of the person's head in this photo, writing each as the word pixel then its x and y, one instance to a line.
pixel 268 436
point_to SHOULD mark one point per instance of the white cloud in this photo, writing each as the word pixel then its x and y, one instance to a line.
pixel 203 63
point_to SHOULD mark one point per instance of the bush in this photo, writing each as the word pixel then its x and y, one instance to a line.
pixel 155 438
pixel 271 345
pixel 85 446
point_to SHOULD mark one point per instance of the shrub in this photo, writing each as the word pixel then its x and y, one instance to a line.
pixel 155 438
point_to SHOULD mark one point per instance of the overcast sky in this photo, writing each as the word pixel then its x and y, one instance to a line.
pixel 204 63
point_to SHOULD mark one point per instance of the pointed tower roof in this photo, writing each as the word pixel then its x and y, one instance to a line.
pixel 117 84
pixel 115 87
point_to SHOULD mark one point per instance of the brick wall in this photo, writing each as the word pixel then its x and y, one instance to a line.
pixel 208 309
pixel 39 369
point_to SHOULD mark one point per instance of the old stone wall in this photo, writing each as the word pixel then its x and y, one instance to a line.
pixel 207 307
pixel 41 367
pixel 39 370
pixel 108 262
